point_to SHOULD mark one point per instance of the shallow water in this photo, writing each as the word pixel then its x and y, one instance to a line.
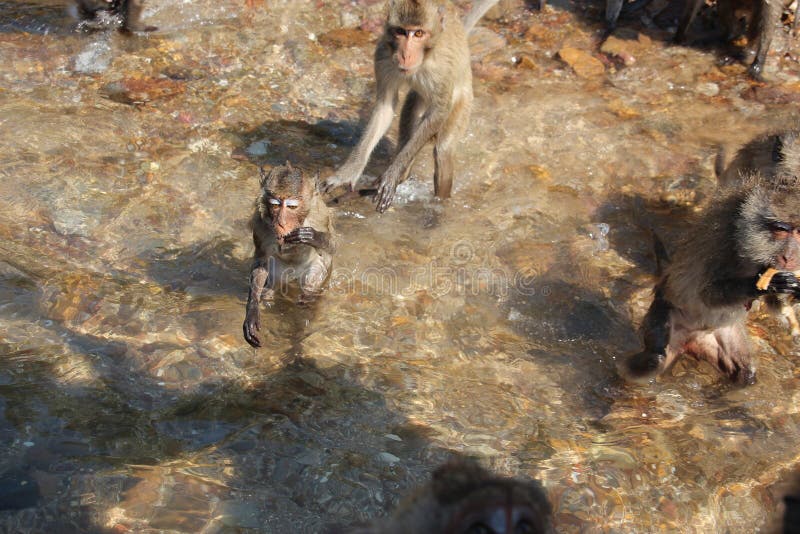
pixel 488 325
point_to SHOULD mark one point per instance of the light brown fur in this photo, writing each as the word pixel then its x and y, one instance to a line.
pixel 439 100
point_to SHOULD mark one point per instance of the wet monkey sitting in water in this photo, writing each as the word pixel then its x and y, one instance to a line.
pixel 700 303
pixel 424 48
pixel 294 242
pixel 102 13
pixel 464 498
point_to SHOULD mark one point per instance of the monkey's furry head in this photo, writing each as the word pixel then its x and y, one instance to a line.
pixel 764 203
pixel 405 13
pixel 283 182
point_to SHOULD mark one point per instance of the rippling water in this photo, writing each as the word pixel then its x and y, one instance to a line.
pixel 488 325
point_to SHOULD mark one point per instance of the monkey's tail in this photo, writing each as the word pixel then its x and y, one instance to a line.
pixel 478 10
pixel 662 256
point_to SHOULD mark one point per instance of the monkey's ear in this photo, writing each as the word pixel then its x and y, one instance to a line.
pixel 263 176
pixel 442 12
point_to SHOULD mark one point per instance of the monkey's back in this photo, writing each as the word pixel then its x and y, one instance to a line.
pixel 704 257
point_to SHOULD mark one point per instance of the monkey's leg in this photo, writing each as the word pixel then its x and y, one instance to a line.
pixel 729 349
pixel 787 310
pixel 259 279
pixel 727 16
pixel 657 330
pixel 689 13
pixel 131 14
pixel 444 149
pixel 312 282
pixel 766 17
pixel 613 9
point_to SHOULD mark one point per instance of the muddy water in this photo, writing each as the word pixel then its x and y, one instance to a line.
pixel 488 325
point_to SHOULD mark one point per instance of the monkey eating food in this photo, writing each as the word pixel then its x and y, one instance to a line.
pixel 122 13
pixel 775 157
pixel 464 498
pixel 294 242
pixel 701 300
pixel 423 47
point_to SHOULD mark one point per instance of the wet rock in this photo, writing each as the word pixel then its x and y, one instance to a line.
pixel 768 94
pixel 141 90
pixel 18 490
pixel 346 37
pixel 525 62
pixel 483 41
pixel 707 89
pixel 626 44
pixel 584 64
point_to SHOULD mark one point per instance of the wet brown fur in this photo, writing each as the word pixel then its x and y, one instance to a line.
pixel 700 303
pixel 300 257
pixel 461 496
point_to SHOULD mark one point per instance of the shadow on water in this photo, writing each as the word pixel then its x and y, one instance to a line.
pixel 97 440
pixel 44 17
pixel 324 144
pixel 207 267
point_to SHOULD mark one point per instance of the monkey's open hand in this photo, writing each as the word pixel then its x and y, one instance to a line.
pixel 386 192
pixel 784 282
pixel 252 324
pixel 305 235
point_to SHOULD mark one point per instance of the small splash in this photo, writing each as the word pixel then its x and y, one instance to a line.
pixel 95 58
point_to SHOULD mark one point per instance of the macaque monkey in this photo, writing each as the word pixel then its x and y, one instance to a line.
pixel 774 157
pixel 294 241
pixel 764 16
pixel 464 498
pixel 701 300
pixel 104 12
pixel 423 48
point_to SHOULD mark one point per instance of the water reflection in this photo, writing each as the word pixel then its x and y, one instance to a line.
pixel 487 325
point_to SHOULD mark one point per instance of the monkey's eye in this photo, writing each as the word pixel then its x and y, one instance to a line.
pixel 291 203
pixel 780 227
pixel 274 201
pixel 524 527
pixel 398 32
pixel 419 34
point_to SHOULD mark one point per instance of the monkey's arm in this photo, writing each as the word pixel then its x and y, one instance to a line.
pixel 252 321
pixel 131 13
pixel 431 123
pixel 739 290
pixel 379 122
pixel 307 235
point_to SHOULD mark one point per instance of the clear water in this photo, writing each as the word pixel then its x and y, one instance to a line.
pixel 488 325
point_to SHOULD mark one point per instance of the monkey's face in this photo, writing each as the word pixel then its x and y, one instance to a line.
pixel 285 214
pixel 408 44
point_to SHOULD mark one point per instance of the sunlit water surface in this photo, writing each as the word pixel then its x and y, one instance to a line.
pixel 488 325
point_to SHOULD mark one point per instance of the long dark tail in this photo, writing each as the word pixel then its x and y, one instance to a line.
pixel 478 11
pixel 662 256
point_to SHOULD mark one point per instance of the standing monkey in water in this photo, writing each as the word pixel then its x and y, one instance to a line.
pixel 701 301
pixel 293 236
pixel 126 13
pixel 423 47
pixel 464 498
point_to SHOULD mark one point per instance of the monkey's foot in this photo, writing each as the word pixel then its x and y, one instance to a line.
pixel 643 366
